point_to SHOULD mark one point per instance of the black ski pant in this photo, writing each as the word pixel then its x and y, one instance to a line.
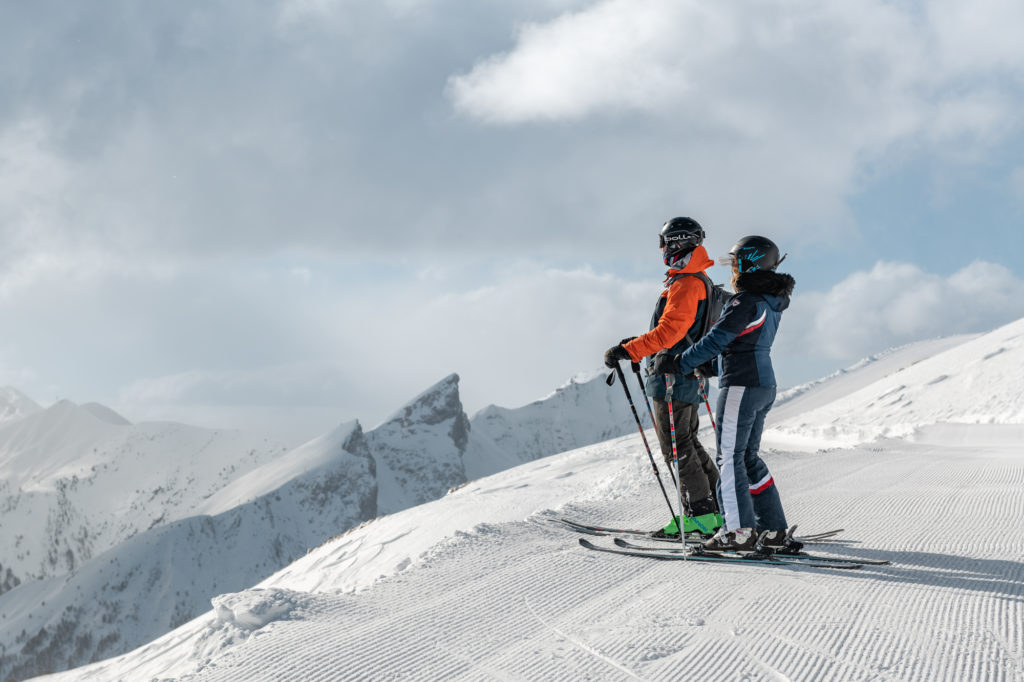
pixel 697 473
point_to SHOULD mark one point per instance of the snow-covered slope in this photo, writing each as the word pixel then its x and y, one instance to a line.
pixel 77 480
pixel 979 380
pixel 482 584
pixel 104 413
pixel 814 394
pixel 257 520
pixel 161 578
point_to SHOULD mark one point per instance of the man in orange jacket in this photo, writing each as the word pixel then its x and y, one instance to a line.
pixel 675 326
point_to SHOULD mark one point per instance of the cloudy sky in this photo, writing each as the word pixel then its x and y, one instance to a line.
pixel 290 213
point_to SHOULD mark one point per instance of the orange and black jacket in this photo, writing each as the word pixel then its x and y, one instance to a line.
pixel 676 315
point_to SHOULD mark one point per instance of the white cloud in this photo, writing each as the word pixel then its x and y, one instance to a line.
pixel 977 35
pixel 765 117
pixel 233 129
pixel 982 115
pixel 512 339
pixel 297 351
pixel 292 403
pixel 297 384
pixel 616 55
pixel 786 104
pixel 33 177
pixel 323 338
pixel 898 303
pixel 524 328
pixel 658 56
pixel 877 66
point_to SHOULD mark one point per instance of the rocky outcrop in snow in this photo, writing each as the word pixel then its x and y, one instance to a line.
pixel 430 446
pixel 419 449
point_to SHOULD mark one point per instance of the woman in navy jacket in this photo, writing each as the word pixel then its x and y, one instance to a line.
pixel 742 338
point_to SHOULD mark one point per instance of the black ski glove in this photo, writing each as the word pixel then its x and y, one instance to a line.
pixel 614 354
pixel 665 363
pixel 633 366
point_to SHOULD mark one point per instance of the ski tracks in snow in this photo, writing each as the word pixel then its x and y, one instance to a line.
pixel 589 650
pixel 521 601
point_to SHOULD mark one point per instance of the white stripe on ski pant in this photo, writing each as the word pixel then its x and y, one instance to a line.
pixel 762 482
pixel 730 420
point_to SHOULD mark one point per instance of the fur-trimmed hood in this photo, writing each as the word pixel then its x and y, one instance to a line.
pixel 777 285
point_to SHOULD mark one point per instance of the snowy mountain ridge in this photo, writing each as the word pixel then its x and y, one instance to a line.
pixel 161 578
pixel 267 510
pixel 77 480
pixel 14 405
pixel 268 478
pixel 868 370
pixel 516 597
pixel 962 381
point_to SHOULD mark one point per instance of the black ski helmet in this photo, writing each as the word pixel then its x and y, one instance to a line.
pixel 679 237
pixel 755 253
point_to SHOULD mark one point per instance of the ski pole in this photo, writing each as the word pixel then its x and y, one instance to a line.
pixel 650 456
pixel 640 380
pixel 643 392
pixel 704 395
pixel 670 382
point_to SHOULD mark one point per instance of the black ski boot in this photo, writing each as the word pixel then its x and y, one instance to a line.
pixel 739 540
pixel 779 542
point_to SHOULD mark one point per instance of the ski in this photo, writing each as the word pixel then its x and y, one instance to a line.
pixel 690 537
pixel 825 538
pixel 747 559
pixel 799 556
pixel 823 535
pixel 602 530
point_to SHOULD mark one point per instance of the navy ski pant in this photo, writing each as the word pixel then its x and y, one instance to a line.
pixel 746 490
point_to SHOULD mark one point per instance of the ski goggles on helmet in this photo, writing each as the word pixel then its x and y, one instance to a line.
pixel 744 262
pixel 678 241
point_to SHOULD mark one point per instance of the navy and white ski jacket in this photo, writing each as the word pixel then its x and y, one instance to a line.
pixel 744 334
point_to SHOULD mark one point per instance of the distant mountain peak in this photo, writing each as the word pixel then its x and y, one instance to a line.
pixel 67 415
pixel 419 449
pixel 14 405
pixel 104 413
pixel 435 405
